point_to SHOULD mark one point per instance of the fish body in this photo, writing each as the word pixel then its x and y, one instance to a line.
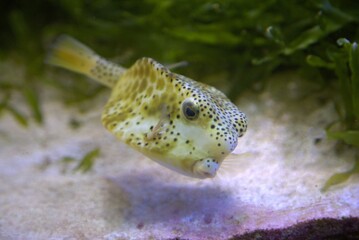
pixel 185 125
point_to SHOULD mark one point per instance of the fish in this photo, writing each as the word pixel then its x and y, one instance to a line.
pixel 184 125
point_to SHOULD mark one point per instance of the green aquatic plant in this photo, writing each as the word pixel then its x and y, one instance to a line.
pixel 344 62
pixel 31 99
pixel 340 177
pixel 83 164
pixel 241 41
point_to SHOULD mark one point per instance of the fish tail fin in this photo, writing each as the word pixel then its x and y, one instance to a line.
pixel 71 54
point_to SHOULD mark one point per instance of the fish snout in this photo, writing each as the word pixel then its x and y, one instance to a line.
pixel 205 168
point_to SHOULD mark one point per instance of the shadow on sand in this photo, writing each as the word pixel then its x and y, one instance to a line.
pixel 155 199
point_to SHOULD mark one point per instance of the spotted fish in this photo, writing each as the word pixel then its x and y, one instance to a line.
pixel 185 125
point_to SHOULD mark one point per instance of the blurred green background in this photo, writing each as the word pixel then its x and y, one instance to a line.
pixel 234 45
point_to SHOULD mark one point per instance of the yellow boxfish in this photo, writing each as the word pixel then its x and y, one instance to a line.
pixel 182 124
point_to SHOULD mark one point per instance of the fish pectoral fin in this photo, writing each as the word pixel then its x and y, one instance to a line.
pixel 160 127
pixel 157 130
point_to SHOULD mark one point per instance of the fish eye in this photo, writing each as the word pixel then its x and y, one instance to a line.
pixel 190 109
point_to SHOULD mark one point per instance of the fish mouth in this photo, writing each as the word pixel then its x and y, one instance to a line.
pixel 205 168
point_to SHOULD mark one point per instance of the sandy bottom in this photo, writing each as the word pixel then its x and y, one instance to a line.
pixel 273 180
